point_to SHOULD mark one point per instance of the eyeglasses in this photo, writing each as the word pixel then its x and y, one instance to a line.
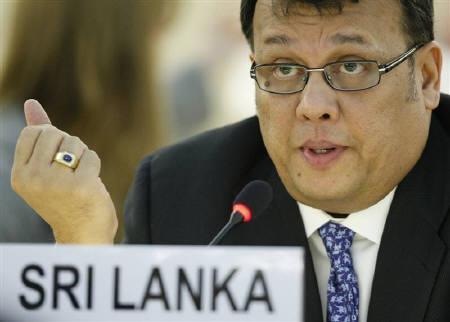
pixel 352 75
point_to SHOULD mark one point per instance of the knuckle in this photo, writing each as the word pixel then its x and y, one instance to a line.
pixel 47 126
pixel 26 131
pixel 29 180
pixel 90 160
pixel 53 131
pixel 40 127
pixel 16 181
pixel 30 130
pixel 78 141
pixel 96 159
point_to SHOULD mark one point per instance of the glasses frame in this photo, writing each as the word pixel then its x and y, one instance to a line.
pixel 382 70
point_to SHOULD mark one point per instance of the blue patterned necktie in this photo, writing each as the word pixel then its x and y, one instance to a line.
pixel 342 293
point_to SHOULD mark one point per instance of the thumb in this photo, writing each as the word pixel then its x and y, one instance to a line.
pixel 35 113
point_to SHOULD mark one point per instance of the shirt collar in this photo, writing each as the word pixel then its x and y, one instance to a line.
pixel 368 223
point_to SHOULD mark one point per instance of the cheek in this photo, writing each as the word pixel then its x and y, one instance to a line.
pixel 373 134
pixel 276 121
pixel 385 129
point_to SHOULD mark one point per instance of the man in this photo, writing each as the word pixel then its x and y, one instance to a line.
pixel 348 137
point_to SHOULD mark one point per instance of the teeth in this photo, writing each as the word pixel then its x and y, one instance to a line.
pixel 321 151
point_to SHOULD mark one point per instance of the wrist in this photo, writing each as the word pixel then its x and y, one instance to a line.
pixel 86 237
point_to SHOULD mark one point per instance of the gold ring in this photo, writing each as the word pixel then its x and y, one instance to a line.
pixel 67 159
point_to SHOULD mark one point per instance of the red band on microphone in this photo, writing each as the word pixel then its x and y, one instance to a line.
pixel 243 210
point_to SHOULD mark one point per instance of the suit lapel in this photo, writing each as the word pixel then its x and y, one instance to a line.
pixel 411 250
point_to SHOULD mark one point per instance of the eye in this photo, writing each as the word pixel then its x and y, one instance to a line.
pixel 285 72
pixel 352 68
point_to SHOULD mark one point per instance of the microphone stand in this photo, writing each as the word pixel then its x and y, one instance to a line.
pixel 235 219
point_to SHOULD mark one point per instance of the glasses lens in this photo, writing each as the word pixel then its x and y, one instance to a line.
pixel 353 75
pixel 281 78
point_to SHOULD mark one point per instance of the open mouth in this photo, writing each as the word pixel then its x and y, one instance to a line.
pixel 322 157
pixel 322 150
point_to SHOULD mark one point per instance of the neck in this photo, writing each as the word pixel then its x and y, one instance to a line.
pixel 336 215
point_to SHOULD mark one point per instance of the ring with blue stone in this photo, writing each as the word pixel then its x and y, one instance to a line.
pixel 67 159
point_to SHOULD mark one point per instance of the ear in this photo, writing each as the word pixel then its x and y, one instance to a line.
pixel 430 64
pixel 252 57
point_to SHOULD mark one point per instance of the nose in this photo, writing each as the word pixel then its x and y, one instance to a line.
pixel 318 101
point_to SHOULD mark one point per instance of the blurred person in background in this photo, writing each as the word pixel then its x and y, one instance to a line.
pixel 90 63
pixel 207 83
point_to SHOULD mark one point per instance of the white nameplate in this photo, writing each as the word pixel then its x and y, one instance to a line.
pixel 150 283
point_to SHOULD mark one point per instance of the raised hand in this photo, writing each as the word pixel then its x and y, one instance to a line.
pixel 58 176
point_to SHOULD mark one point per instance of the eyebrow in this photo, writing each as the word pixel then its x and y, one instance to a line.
pixel 341 39
pixel 278 40
pixel 336 39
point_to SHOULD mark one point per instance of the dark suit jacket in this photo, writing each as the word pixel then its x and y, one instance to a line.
pixel 183 194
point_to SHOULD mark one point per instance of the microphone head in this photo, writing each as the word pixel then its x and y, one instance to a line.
pixel 253 199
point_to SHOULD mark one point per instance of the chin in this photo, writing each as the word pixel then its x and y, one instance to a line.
pixel 325 193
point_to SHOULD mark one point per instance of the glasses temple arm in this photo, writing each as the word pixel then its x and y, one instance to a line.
pixel 385 68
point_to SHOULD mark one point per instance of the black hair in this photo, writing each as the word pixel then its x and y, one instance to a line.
pixel 417 21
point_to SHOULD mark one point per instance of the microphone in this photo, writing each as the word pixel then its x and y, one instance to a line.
pixel 253 199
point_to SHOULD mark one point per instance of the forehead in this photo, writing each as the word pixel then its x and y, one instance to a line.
pixel 367 23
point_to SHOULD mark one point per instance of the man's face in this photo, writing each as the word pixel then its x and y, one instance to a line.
pixel 340 151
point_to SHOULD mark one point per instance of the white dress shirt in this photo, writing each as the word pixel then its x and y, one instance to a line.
pixel 368 224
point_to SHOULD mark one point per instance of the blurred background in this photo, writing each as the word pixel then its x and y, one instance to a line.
pixel 442 16
pixel 201 62
pixel 192 63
